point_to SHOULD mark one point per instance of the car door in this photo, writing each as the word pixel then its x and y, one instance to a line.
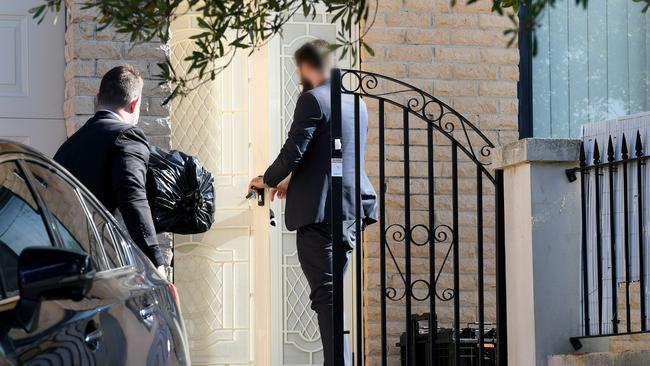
pixel 126 297
pixel 58 332
pixel 150 302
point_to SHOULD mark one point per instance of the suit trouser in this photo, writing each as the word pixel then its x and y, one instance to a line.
pixel 314 244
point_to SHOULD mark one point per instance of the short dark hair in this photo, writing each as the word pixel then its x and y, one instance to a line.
pixel 313 53
pixel 119 87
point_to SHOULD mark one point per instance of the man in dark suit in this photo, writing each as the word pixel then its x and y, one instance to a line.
pixel 302 173
pixel 109 155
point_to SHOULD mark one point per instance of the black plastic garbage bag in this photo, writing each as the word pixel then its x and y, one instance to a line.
pixel 180 192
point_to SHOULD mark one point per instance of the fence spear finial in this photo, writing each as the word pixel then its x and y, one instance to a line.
pixel 638 146
pixel 610 150
pixel 596 153
pixel 583 157
pixel 624 152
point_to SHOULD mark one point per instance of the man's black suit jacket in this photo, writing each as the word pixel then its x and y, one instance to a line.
pixel 110 158
pixel 306 154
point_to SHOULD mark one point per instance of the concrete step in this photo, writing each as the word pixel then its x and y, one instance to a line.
pixel 625 358
pixel 631 342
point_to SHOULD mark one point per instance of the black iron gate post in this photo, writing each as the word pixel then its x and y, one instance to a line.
pixel 337 221
pixel 424 340
pixel 502 325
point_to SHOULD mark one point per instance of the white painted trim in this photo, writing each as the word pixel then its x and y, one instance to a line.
pixel 21 20
pixel 275 234
pixel 258 124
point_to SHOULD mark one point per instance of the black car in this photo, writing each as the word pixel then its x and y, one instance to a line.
pixel 74 289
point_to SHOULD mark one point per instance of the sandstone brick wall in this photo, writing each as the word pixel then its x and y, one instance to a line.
pixel 89 53
pixel 460 56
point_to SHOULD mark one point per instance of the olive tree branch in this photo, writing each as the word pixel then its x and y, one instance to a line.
pixel 226 27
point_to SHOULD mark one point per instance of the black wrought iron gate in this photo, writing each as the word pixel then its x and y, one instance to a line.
pixel 438 248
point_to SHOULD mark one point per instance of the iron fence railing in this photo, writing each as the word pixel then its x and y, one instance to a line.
pixel 614 237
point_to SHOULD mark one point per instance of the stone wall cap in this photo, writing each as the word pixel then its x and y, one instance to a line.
pixel 546 150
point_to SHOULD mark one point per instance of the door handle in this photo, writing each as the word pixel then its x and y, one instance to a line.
pixel 148 312
pixel 258 195
pixel 92 336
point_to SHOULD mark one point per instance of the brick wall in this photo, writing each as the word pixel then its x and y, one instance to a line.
pixel 460 56
pixel 89 53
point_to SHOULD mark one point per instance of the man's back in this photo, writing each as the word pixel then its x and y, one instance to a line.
pixel 308 196
pixel 87 154
pixel 308 193
pixel 110 158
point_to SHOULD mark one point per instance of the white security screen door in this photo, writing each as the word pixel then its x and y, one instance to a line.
pixel 31 76
pixel 214 271
pixel 295 337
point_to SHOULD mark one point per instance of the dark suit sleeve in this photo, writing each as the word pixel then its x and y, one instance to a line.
pixel 306 119
pixel 129 175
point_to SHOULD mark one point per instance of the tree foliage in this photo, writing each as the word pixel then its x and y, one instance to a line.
pixel 230 26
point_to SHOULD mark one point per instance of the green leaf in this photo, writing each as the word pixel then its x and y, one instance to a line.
pixel 345 52
pixel 334 47
pixel 38 12
pixel 368 49
pixel 645 8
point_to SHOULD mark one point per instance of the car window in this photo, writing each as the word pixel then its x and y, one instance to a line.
pixel 114 249
pixel 21 226
pixel 126 245
pixel 74 218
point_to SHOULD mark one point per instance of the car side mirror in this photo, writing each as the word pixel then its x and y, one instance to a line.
pixel 53 273
pixel 46 273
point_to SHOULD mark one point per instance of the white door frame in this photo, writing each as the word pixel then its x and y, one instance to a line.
pixel 261 252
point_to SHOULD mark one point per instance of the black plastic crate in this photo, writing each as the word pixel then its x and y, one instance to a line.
pixel 444 344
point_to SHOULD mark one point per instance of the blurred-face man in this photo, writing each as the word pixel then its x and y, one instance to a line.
pixel 302 172
pixel 313 64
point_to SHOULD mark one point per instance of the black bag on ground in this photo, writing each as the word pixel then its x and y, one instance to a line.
pixel 180 192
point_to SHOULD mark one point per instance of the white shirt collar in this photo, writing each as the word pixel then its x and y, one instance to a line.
pixel 117 116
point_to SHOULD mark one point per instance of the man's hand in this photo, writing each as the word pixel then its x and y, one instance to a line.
pixel 281 189
pixel 256 183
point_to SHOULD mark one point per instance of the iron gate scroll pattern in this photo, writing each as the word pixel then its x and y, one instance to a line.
pixel 440 231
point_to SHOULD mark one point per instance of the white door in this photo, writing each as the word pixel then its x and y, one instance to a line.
pixel 295 338
pixel 214 271
pixel 243 296
pixel 31 76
